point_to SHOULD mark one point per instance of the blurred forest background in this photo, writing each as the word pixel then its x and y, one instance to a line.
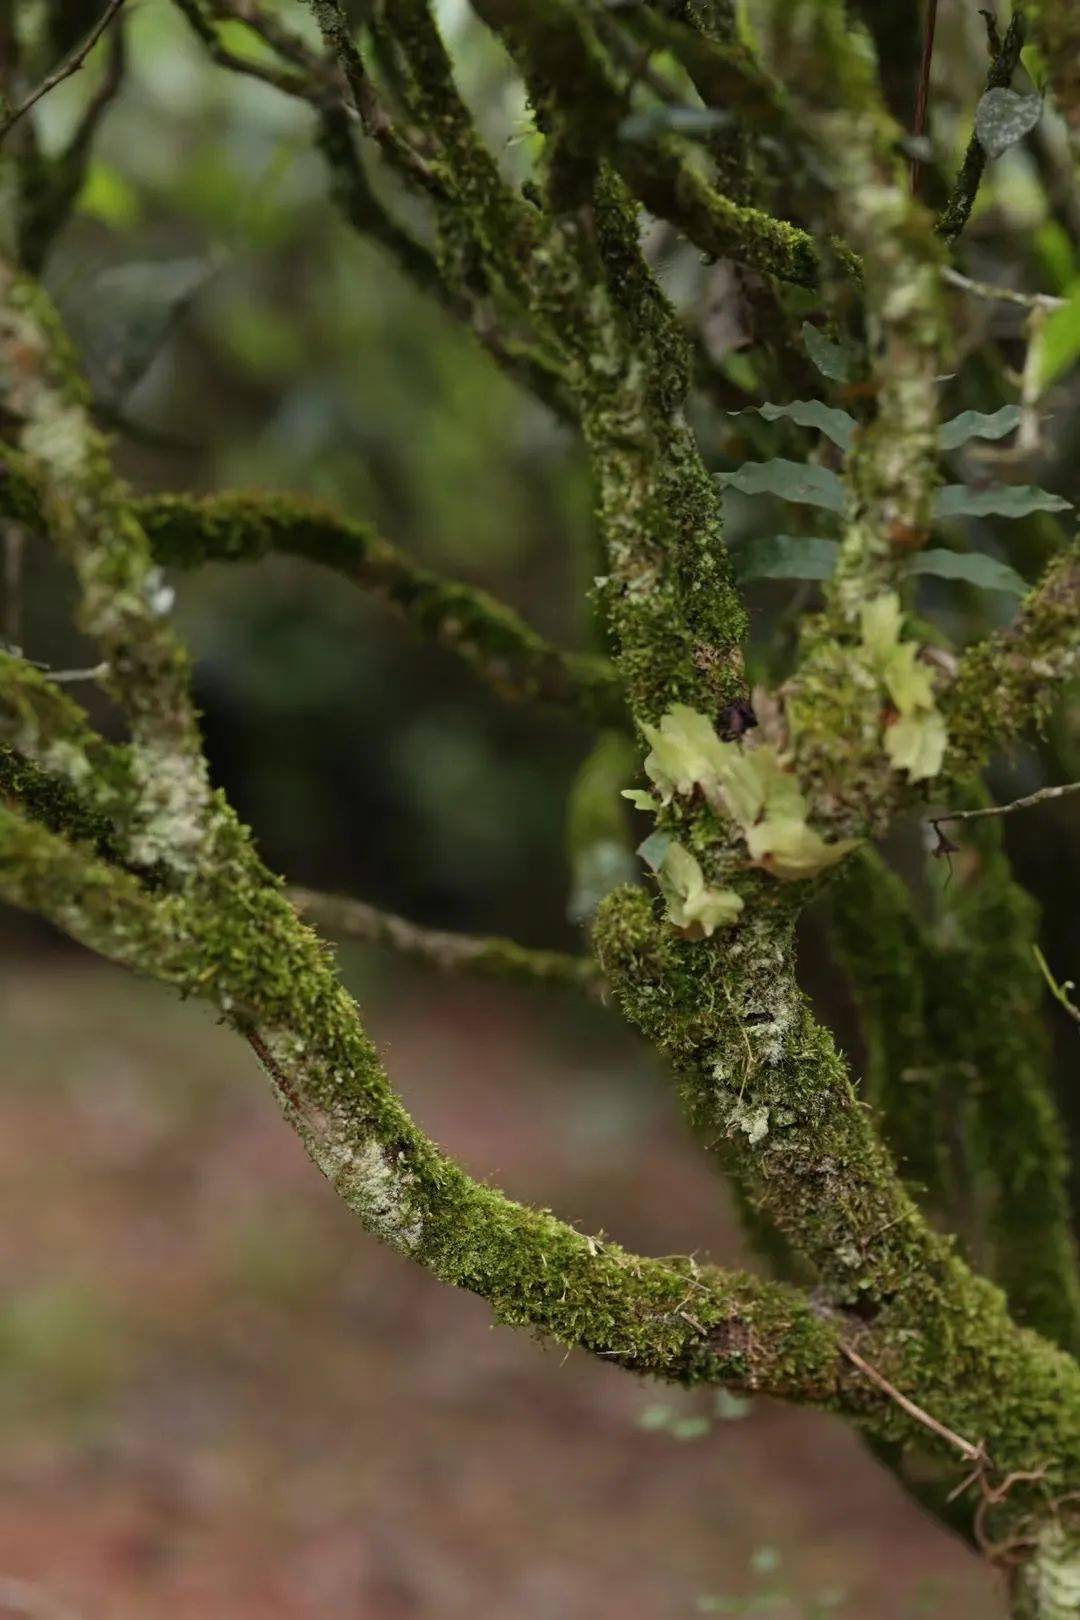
pixel 218 1397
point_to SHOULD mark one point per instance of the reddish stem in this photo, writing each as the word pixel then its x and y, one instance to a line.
pixel 923 91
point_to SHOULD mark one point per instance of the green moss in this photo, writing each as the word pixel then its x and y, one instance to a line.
pixel 56 804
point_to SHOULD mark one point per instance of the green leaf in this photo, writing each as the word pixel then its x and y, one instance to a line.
pixel 978 425
pixel 974 567
pixel 881 619
pixel 686 752
pixel 909 683
pixel 811 413
pixel 690 1428
pixel 639 798
pixel 786 556
pixel 1002 118
pixel 690 901
pixel 791 850
pixel 653 849
pixel 835 360
pixel 1059 342
pixel 1000 500
pixel 790 480
pixel 916 743
pixel 107 195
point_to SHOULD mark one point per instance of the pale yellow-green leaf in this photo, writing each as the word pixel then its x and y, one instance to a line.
pixel 689 898
pixel 790 850
pixel 880 621
pixel 685 752
pixel 755 782
pixel 916 744
pixel 909 683
pixel 639 798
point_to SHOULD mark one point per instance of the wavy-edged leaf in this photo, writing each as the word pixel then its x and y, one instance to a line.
pixel 798 481
pixel 790 850
pixel 1002 118
pixel 973 567
pixel 691 902
pixel 786 556
pixel 834 360
pixel 999 500
pixel 978 425
pixel 812 413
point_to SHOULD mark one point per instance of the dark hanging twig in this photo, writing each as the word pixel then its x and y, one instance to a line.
pixel 922 93
pixel 70 65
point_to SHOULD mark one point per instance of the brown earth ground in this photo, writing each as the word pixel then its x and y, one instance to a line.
pixel 222 1401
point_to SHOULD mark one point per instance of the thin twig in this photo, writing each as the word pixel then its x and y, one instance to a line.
pixel 1058 791
pixel 1003 295
pixel 922 93
pixel 70 65
pixel 973 1453
pixel 490 958
pixel 1060 992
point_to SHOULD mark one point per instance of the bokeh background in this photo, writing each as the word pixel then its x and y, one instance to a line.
pixel 218 1397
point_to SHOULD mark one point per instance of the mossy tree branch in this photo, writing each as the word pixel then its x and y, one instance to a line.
pixel 496 644
pixel 901 1335
pixel 501 959
pixel 957 1069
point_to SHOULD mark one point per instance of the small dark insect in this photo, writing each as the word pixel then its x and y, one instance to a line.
pixel 737 719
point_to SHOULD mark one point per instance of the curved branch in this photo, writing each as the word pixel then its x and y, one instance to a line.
pixel 240 945
pixel 487 957
pixel 505 652
pixel 566 58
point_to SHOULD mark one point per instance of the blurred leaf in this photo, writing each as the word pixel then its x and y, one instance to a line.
pixel 974 567
pixel 642 126
pixel 835 360
pixel 1003 117
pixel 691 1428
pixel 978 425
pixel 786 556
pixel 1054 250
pixel 731 1408
pixel 655 1417
pixel 106 195
pixel 1059 342
pixel 1000 500
pixel 812 413
pixel 122 317
pixel 799 481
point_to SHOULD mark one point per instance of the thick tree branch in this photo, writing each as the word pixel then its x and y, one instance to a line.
pixel 238 944
pixel 1007 682
pixel 85 512
pixel 958 1060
